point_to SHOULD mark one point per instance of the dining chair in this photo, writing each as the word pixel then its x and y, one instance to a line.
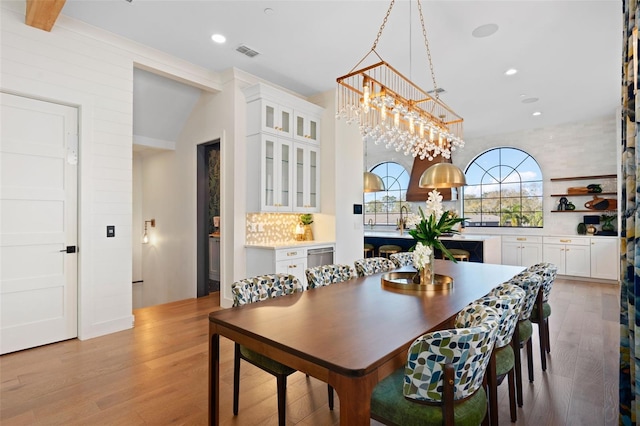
pixel 324 275
pixel 548 272
pixel 530 282
pixel 256 289
pixel 404 258
pixel 373 265
pixel 441 382
pixel 507 300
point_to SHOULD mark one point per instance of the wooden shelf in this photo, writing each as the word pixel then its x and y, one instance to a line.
pixel 584 178
pixel 583 195
pixel 583 211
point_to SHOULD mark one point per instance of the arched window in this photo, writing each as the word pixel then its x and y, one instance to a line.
pixel 504 188
pixel 383 208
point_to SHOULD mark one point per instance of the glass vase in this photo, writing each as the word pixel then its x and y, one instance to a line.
pixel 427 273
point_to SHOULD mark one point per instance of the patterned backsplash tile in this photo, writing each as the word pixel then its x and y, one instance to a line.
pixel 271 228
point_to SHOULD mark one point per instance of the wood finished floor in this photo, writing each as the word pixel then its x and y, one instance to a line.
pixel 156 373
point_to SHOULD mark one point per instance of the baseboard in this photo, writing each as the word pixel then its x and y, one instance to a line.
pixel 107 327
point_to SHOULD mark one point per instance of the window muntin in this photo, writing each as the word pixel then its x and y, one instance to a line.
pixel 383 208
pixel 504 189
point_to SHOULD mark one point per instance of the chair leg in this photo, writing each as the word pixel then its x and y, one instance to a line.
pixel 512 395
pixel 543 346
pixel 236 378
pixel 330 392
pixel 546 333
pixel 515 343
pixel 492 383
pixel 530 359
pixel 281 380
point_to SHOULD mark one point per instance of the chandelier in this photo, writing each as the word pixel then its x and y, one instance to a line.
pixel 394 111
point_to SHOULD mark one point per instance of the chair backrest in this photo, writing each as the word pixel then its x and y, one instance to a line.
pixel 373 265
pixel 319 276
pixel 262 287
pixel 530 282
pixel 467 349
pixel 404 258
pixel 548 271
pixel 507 300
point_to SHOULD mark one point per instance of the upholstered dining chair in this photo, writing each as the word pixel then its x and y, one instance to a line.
pixel 530 282
pixel 542 310
pixel 404 258
pixel 441 382
pixel 320 276
pixel 373 265
pixel 256 289
pixel 507 300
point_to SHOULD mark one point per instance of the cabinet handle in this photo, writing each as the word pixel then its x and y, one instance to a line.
pixel 293 266
pixel 292 253
pixel 521 239
pixel 565 241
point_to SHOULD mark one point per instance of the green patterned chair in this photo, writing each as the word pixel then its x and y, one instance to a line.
pixel 530 282
pixel 548 272
pixel 507 300
pixel 441 382
pixel 404 258
pixel 320 276
pixel 373 265
pixel 252 290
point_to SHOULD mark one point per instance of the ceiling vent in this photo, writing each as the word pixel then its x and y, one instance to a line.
pixel 247 51
pixel 439 90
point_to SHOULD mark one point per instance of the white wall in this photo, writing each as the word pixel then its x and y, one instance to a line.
pixel 78 65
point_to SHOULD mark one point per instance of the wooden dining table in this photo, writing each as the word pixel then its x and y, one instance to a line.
pixel 350 335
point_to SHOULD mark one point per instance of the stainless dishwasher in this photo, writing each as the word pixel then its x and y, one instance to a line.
pixel 319 256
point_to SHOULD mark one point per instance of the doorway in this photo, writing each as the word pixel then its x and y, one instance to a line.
pixel 208 217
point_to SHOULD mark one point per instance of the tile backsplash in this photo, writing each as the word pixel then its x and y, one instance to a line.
pixel 271 228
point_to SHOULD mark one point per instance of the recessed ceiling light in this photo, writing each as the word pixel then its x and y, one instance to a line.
pixel 268 11
pixel 218 38
pixel 537 113
pixel 511 71
pixel 485 30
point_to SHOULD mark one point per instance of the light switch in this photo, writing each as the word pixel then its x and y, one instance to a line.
pixel 111 231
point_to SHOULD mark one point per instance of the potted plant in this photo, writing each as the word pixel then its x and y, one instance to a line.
pixel 307 219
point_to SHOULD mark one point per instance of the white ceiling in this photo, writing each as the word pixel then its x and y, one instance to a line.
pixel 567 52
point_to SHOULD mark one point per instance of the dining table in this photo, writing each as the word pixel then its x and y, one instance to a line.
pixel 350 335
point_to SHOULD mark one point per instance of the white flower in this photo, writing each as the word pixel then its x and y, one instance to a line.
pixel 434 205
pixel 421 256
pixel 413 219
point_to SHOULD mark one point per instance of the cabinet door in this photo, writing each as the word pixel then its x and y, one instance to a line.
pixel 277 119
pixel 306 178
pixel 511 253
pixel 214 259
pixel 276 178
pixel 577 259
pixel 307 128
pixel 531 254
pixel 295 267
pixel 605 262
pixel 555 253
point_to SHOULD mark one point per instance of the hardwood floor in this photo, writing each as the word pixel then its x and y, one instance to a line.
pixel 156 373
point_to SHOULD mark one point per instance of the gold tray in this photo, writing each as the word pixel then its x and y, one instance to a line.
pixel 405 281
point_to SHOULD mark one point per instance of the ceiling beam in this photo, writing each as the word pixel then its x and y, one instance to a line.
pixel 43 13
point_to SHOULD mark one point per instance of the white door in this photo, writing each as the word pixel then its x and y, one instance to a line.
pixel 38 223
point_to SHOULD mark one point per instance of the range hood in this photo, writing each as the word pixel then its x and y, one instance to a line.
pixel 414 192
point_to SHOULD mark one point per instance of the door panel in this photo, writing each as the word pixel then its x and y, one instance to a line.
pixel 38 220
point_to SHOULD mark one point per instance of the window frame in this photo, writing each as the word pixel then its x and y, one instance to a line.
pixel 391 215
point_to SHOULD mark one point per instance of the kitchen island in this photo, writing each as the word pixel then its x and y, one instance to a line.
pixel 482 248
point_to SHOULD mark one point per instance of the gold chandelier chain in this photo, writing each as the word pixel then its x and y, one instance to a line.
pixel 426 43
pixel 384 22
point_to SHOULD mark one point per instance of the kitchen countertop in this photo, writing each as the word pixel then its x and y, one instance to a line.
pixel 289 244
pixel 396 234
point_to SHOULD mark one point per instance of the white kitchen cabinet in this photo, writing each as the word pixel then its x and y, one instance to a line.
pixel 269 116
pixel 521 250
pixel 269 173
pixel 572 255
pixel 307 127
pixel 306 193
pixel 265 260
pixel 605 258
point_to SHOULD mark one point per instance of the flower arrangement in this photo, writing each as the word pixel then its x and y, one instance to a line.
pixel 430 224
pixel 421 255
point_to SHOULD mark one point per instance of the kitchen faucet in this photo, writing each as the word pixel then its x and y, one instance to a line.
pixel 401 223
pixel 370 223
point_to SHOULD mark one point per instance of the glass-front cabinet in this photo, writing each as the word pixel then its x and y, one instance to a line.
pixel 277 119
pixel 276 174
pixel 307 127
pixel 306 179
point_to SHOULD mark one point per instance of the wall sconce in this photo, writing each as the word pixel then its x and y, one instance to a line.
pixel 145 236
